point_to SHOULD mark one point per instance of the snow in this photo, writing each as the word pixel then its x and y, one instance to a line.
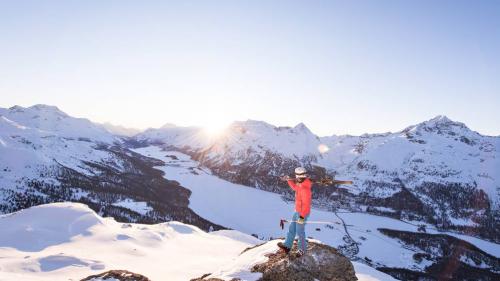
pixel 51 119
pixel 366 273
pixel 241 266
pixel 36 141
pixel 138 207
pixel 68 241
pixel 254 211
pixel 120 130
pixel 385 209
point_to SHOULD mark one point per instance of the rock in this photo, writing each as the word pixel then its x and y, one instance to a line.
pixel 320 262
pixel 113 275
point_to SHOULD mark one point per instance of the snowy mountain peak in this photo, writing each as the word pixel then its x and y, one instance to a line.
pixel 16 108
pixel 440 118
pixel 252 124
pixel 48 109
pixel 442 121
pixel 440 125
pixel 38 109
pixel 301 127
pixel 51 119
pixel 168 126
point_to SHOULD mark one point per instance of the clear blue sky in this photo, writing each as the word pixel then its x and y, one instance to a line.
pixel 338 66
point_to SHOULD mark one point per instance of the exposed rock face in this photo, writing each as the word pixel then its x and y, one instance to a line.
pixel 321 262
pixel 113 275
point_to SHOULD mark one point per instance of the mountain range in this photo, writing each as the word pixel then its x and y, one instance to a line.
pixel 438 174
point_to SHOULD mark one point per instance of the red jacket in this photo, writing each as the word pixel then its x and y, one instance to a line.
pixel 302 196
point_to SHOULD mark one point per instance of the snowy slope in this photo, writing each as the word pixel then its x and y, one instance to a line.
pixel 40 134
pixel 258 212
pixel 60 241
pixel 37 142
pixel 68 241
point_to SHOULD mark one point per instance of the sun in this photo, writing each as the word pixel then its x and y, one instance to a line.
pixel 215 129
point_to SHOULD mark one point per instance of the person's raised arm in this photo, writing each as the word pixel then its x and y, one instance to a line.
pixel 290 181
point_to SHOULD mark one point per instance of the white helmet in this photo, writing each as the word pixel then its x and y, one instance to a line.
pixel 300 172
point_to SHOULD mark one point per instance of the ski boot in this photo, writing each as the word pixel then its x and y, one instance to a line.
pixel 283 247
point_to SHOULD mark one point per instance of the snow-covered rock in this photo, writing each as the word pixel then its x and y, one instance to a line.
pixel 116 275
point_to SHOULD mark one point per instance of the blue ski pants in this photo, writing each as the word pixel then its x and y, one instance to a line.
pixel 299 230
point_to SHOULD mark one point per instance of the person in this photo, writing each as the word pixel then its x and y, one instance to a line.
pixel 302 185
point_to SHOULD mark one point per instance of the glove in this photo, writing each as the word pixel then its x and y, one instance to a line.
pixel 326 181
pixel 301 220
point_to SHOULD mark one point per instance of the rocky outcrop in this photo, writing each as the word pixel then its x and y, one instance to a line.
pixel 113 275
pixel 320 262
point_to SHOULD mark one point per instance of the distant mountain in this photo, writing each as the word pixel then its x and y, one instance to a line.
pixel 47 156
pixel 120 130
pixel 438 171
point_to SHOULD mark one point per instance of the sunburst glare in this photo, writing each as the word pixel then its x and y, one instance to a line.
pixel 215 129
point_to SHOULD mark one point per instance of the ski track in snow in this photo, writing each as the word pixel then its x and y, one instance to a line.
pixel 254 211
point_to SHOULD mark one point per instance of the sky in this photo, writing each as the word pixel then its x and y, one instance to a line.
pixel 340 67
